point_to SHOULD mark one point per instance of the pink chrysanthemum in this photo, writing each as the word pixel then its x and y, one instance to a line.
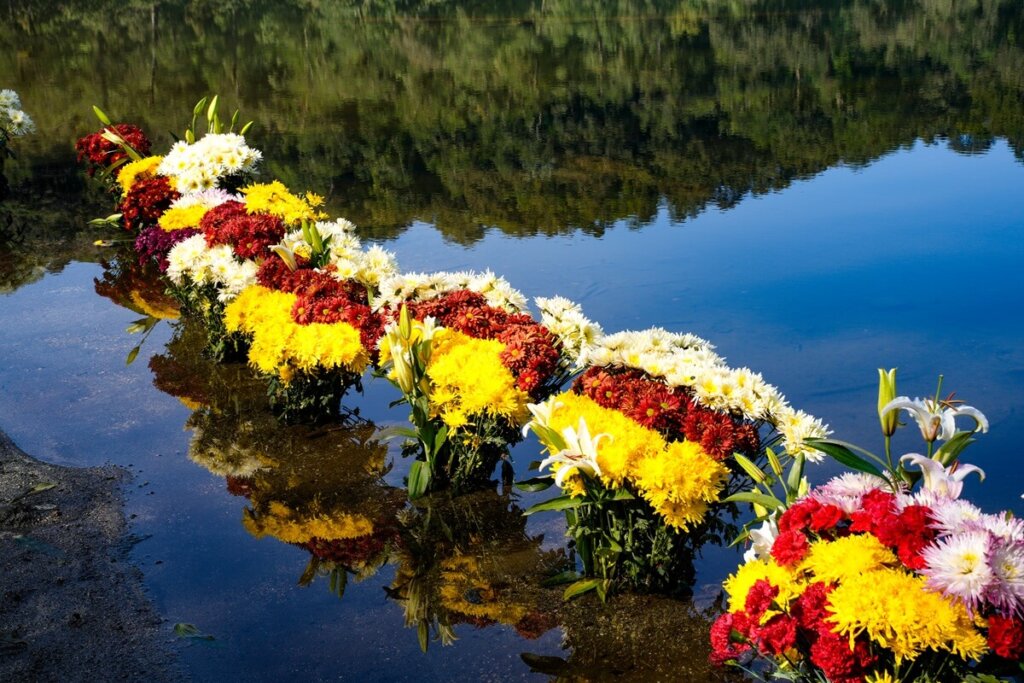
pixel 1006 592
pixel 954 516
pixel 846 490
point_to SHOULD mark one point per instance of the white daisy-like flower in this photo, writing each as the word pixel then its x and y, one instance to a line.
pixel 958 567
pixel 951 516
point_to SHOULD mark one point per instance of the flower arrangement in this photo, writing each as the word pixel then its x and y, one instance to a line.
pixel 311 330
pixel 866 579
pixel 468 361
pixel 640 445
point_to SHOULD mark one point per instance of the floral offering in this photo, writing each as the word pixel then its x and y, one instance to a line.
pixel 866 579
pixel 14 122
pixel 468 362
pixel 643 442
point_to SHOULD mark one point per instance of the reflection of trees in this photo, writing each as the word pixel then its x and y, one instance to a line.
pixel 536 118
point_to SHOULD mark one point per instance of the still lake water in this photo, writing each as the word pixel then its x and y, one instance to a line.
pixel 819 192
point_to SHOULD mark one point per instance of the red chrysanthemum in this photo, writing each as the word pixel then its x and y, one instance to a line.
pixel 146 202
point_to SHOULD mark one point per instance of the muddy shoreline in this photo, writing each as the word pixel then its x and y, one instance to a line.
pixel 72 605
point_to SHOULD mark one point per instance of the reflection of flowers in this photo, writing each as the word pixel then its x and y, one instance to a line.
pixel 135 287
pixel 294 526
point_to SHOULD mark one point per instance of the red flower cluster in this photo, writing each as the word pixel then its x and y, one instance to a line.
pixel 147 201
pixel 735 634
pixel 99 153
pixel 249 234
pixel 670 412
pixel 350 552
pixel 531 351
pixel 906 532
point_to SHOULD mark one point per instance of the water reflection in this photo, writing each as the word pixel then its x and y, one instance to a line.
pixel 545 119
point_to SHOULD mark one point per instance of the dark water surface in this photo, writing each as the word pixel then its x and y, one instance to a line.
pixel 820 189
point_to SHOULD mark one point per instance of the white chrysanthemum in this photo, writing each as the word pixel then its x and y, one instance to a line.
pixel 1007 590
pixel 565 320
pixel 205 198
pixel 236 278
pixel 1003 527
pixel 950 516
pixel 497 291
pixel 958 567
pixel 202 165
pixel 9 99
pixel 185 256
pixel 376 264
pixel 847 490
pixel 16 122
pixel 796 428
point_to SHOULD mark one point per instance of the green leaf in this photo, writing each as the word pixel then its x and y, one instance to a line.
pixel 419 479
pixel 245 129
pixel 101 115
pixel 796 474
pixel 183 630
pixel 440 438
pixel 952 449
pixel 560 579
pixel 602 589
pixel 751 497
pixel 132 355
pixel 535 484
pixel 844 455
pixel 579 588
pixel 555 504
pixel 623 494
pixel 423 633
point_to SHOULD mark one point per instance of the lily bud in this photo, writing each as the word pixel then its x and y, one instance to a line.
pixel 889 420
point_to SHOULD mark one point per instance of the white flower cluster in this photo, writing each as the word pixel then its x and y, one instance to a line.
pixel 565 320
pixel 13 121
pixel 200 166
pixel 425 286
pixel 208 199
pixel 193 259
pixel 369 267
pixel 685 360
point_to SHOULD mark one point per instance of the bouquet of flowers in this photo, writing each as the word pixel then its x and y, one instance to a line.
pixel 864 579
pixel 468 361
pixel 308 319
pixel 641 446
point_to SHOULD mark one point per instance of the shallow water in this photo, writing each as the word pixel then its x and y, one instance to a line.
pixel 852 206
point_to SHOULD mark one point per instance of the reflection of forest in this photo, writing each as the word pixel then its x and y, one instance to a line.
pixel 543 117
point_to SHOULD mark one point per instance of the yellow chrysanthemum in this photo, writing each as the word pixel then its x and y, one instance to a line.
pixel 163 310
pixel 291 526
pixel 134 171
pixel 740 583
pixel 835 561
pixel 281 346
pixel 468 378
pixel 180 218
pixel 275 199
pixel 880 677
pixel 680 482
pixel 461 576
pixel 896 610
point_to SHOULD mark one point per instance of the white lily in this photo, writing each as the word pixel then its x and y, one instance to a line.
pixel 935 419
pixel 541 414
pixel 579 454
pixel 942 482
pixel 762 541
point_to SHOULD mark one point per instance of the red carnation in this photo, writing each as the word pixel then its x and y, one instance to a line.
pixel 826 518
pixel 729 636
pixel 809 609
pixel 789 548
pixel 776 635
pixel 832 654
pixel 1006 637
pixel 760 597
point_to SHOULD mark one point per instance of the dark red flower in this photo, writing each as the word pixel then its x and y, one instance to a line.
pixel 1006 637
pixel 832 654
pixel 729 637
pixel 99 153
pixel 146 202
pixel 760 598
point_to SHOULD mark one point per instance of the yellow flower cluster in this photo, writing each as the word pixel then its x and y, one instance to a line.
pixel 290 526
pixel 281 346
pixel 872 594
pixel 467 378
pixel 134 171
pixel 275 199
pixel 179 218
pixel 164 309
pixel 462 576
pixel 897 611
pixel 677 478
